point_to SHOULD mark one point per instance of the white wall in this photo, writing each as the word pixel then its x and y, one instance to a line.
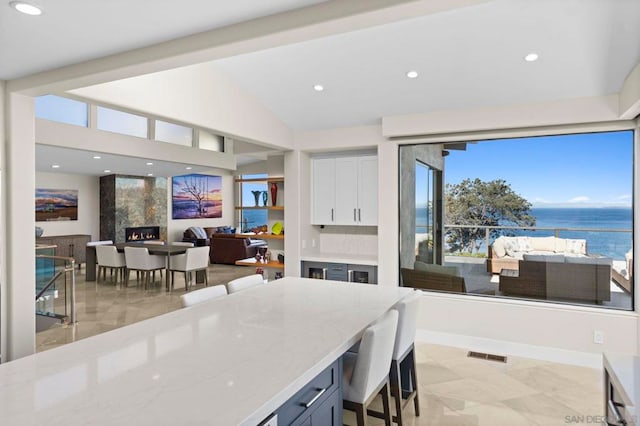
pixel 559 327
pixel 175 228
pixel 88 188
pixel 200 95
pixel 18 184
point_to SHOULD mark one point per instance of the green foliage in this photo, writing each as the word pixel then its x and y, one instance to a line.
pixel 479 203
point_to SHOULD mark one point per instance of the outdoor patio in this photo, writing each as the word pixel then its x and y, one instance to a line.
pixel 479 281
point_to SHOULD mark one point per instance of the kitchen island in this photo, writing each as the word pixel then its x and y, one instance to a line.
pixel 233 360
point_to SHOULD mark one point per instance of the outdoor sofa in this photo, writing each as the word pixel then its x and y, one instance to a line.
pixel 559 277
pixel 506 252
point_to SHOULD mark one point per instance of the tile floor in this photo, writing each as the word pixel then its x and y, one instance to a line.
pixel 454 389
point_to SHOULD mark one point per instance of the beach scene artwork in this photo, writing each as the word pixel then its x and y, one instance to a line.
pixel 56 204
pixel 196 196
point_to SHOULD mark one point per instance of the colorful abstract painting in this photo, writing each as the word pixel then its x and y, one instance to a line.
pixel 56 204
pixel 196 196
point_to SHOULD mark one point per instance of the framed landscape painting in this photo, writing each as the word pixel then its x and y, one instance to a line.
pixel 56 204
pixel 196 196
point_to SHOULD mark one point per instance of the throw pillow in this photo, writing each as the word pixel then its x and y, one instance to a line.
pixel 438 269
pixel 510 246
pixel 523 244
pixel 498 247
pixel 576 246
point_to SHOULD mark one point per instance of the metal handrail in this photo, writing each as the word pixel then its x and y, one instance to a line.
pixel 68 267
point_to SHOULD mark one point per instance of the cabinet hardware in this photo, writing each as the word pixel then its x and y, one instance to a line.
pixel 359 216
pixel 315 398
pixel 331 215
pixel 354 215
pixel 324 273
pixel 350 275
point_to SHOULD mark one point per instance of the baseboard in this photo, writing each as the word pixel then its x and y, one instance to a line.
pixel 500 347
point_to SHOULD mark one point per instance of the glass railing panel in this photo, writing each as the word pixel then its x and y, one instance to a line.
pixel 55 286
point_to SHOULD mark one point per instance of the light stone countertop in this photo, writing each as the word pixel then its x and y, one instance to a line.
pixel 624 371
pixel 230 361
pixel 350 258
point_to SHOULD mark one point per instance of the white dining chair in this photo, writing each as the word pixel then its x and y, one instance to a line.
pixel 202 295
pixel 404 354
pixel 244 283
pixel 138 259
pixel 154 242
pixel 99 243
pixel 108 257
pixel 195 259
pixel 366 373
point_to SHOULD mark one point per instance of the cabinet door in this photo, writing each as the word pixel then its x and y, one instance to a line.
pixel 346 191
pixel 323 186
pixel 368 190
pixel 330 412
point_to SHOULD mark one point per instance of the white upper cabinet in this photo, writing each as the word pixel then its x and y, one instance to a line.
pixel 323 195
pixel 345 191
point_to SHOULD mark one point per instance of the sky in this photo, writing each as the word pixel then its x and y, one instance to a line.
pixel 584 170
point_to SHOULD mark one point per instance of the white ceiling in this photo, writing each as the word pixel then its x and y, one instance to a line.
pixel 71 31
pixel 467 57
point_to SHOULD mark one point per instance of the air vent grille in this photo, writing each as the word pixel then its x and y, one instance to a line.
pixel 489 357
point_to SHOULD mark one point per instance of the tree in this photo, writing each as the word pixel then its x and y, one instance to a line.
pixel 196 189
pixel 475 202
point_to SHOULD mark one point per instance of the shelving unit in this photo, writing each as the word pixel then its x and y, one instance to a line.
pixel 274 213
pixel 252 262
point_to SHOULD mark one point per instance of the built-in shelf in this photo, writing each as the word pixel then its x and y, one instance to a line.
pixel 280 208
pixel 268 180
pixel 261 236
pixel 252 262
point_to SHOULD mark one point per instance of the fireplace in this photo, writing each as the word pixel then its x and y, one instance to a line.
pixel 142 233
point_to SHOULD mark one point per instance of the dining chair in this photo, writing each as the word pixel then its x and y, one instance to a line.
pixel 154 242
pixel 195 259
pixel 108 257
pixel 244 283
pixel 404 387
pixel 366 373
pixel 138 259
pixel 202 295
pixel 99 243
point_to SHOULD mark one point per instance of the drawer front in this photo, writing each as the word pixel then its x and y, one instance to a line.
pixel 311 395
pixel 337 271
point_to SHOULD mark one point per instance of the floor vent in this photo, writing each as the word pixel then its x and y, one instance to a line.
pixel 490 357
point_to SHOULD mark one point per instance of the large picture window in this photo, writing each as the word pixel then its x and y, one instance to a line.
pixel 541 218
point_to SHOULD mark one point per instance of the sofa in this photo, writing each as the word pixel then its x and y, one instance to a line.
pixel 559 277
pixel 225 246
pixel 427 276
pixel 506 252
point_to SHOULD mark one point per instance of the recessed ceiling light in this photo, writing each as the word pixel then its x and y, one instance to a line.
pixel 412 74
pixel 55 166
pixel 531 57
pixel 318 87
pixel 188 167
pixel 107 171
pixel 26 8
pixel 149 164
pixel 149 174
pixel 96 157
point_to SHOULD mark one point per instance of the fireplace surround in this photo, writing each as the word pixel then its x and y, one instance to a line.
pixel 142 233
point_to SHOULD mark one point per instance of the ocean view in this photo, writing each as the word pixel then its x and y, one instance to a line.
pixel 609 244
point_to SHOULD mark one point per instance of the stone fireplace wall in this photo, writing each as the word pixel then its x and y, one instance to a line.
pixel 131 201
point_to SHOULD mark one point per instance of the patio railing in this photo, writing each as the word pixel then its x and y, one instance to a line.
pixel 615 246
